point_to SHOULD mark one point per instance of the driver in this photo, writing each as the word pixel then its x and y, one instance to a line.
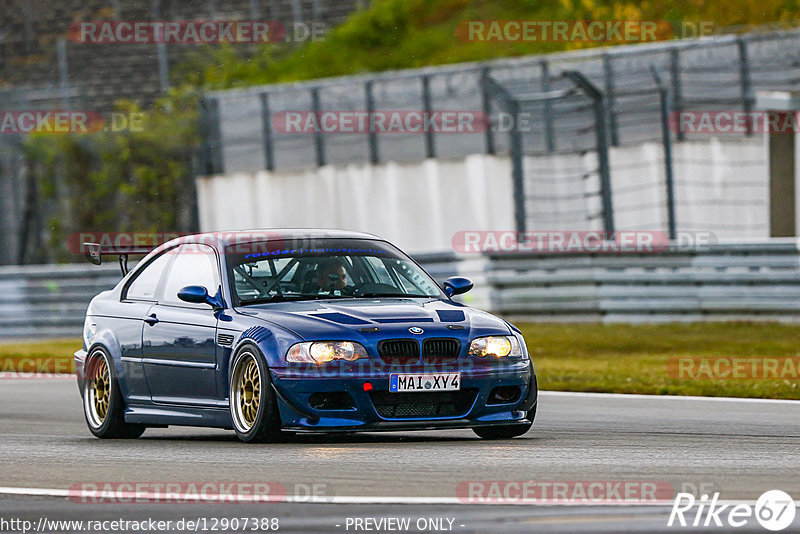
pixel 332 277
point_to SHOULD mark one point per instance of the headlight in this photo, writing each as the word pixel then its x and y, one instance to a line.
pixel 497 346
pixel 325 351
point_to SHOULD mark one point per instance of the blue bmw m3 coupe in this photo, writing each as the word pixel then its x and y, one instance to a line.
pixel 273 332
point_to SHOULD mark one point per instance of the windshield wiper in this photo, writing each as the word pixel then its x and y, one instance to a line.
pixel 396 295
pixel 290 298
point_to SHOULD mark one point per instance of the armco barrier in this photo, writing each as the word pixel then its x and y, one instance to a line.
pixel 759 281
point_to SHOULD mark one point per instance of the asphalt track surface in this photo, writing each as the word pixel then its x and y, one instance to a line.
pixel 739 448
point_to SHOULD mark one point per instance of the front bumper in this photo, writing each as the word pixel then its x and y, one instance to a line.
pixel 469 408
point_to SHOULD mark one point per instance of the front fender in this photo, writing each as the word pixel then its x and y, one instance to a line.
pixel 272 342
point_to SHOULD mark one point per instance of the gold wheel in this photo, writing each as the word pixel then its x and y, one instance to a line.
pixel 247 391
pixel 98 390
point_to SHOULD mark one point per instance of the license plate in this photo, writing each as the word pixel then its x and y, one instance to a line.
pixel 405 382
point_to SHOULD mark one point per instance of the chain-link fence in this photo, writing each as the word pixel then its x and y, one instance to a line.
pixel 636 84
pixel 712 74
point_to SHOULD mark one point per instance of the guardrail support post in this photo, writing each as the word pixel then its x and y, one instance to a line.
pixel 746 82
pixel 517 171
pixel 601 134
pixel 372 136
pixel 319 142
pixel 266 126
pixel 211 156
pixel 430 148
pixel 486 103
pixel 677 89
pixel 549 135
pixel 663 94
pixel 611 116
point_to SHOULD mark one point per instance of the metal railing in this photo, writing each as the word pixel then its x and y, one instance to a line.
pixel 720 73
pixel 758 281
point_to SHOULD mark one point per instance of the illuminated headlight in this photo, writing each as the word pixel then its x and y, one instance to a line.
pixel 496 346
pixel 325 351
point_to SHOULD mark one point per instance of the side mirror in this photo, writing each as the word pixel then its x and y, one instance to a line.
pixel 456 285
pixel 196 295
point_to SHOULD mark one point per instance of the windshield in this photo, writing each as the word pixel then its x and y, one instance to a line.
pixel 309 269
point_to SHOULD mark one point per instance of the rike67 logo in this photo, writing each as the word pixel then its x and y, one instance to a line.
pixel 774 510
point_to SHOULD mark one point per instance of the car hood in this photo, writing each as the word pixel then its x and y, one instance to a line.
pixel 358 319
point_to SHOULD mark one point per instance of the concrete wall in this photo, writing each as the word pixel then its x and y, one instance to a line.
pixel 721 187
pixel 416 206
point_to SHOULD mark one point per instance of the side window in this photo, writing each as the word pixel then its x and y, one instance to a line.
pixel 146 282
pixel 194 265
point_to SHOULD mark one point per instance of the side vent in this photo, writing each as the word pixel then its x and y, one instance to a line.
pixel 226 340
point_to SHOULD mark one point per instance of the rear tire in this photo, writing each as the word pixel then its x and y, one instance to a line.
pixel 506 431
pixel 254 409
pixel 103 406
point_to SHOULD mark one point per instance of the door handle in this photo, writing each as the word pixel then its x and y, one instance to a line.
pixel 151 319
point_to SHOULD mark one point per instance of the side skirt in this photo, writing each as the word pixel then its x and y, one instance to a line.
pixel 179 416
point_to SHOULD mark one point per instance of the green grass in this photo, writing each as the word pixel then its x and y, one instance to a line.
pixel 633 358
pixel 51 356
pixel 588 357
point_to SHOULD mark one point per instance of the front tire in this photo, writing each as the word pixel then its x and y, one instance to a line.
pixel 506 431
pixel 103 406
pixel 254 410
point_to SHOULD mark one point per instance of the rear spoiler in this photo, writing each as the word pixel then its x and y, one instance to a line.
pixel 94 253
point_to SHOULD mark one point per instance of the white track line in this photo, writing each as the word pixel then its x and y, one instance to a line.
pixel 45 376
pixel 155 498
pixel 663 397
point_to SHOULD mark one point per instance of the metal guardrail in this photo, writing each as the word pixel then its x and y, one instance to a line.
pixel 759 281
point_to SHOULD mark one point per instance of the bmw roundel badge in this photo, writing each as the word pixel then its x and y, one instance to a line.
pixel 415 330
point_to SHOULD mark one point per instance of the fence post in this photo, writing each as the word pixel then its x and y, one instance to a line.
pixel 266 124
pixel 212 138
pixel 677 88
pixel 663 94
pixel 430 148
pixel 602 145
pixel 255 10
pixel 516 149
pixel 212 9
pixel 549 135
pixel 517 171
pixel 161 48
pixel 486 104
pixel 319 143
pixel 63 72
pixel 372 136
pixel 746 83
pixel 297 12
pixel 610 107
